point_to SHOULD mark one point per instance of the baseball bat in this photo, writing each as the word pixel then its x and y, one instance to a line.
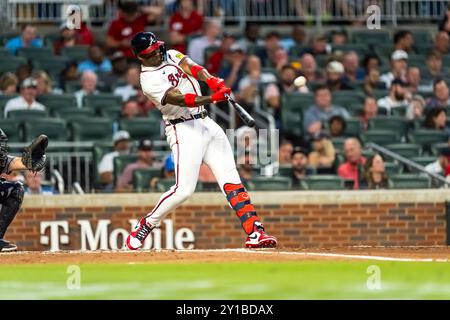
pixel 243 114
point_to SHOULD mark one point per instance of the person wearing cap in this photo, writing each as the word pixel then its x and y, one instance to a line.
pixel 27 39
pixel 442 162
pixel 398 96
pixel 121 140
pixel 323 153
pixel 211 31
pixel 96 61
pixel 167 171
pixel 145 160
pixel 27 98
pixel 399 66
pixel 300 170
pixel 334 77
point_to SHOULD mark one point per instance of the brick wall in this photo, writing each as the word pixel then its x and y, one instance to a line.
pixel 296 223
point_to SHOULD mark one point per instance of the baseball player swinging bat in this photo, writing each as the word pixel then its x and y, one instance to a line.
pixel 243 114
pixel 170 80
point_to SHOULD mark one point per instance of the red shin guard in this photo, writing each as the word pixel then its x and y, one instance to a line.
pixel 239 199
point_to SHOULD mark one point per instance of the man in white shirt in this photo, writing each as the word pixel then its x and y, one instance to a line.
pixel 88 86
pixel 440 165
pixel 197 46
pixel 105 168
pixel 399 66
pixel 27 98
pixel 133 83
pixel 398 96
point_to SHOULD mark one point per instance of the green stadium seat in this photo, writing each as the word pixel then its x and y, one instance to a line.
pixel 426 138
pixel 102 100
pixel 380 93
pixel 360 49
pixel 347 97
pixel 72 86
pixel 142 128
pixel 422 36
pixel 110 112
pixel 384 49
pixel 353 128
pixel 380 137
pixel 407 150
pixel 120 162
pixel 423 48
pixel 54 102
pixel 54 128
pixel 99 149
pixel 35 53
pixel 142 178
pixel 269 184
pixel 397 124
pixel 4 99
pixel 423 160
pixel 399 111
pixel 53 65
pixel 296 50
pixel 297 100
pixel 12 130
pixel 5 53
pixel 409 181
pixel 77 53
pixel 416 60
pixel 21 115
pixel 51 38
pixel 11 64
pixel 393 168
pixel 371 37
pixel 164 184
pixel 324 182
pixel 74 113
pixel 437 147
pixel 93 129
pixel 355 110
pixel 338 143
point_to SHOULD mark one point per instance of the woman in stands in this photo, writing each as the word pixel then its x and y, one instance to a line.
pixel 374 175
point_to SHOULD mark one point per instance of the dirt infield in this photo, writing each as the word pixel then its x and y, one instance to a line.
pixel 426 254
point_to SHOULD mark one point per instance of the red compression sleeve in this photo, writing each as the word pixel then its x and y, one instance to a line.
pixel 189 100
pixel 195 69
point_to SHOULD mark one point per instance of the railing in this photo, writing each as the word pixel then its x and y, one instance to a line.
pixel 409 163
pixel 312 12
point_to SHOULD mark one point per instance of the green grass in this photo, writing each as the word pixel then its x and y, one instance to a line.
pixel 284 280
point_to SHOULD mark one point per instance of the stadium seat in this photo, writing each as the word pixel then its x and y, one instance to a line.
pixel 11 64
pixel 164 184
pixel 384 49
pixel 416 60
pixel 381 137
pixel 5 53
pixel 393 168
pixel 120 162
pixel 407 150
pixel 437 147
pixel 269 184
pixel 12 130
pixel 397 124
pixel 296 50
pixel 409 181
pixel 353 128
pixel 371 37
pixel 109 112
pixel 142 178
pixel 54 102
pixel 93 129
pixel 338 143
pixel 99 149
pixel 399 111
pixel 72 86
pixel 32 53
pixel 142 128
pixel 297 100
pixel 426 138
pixel 285 171
pixel 324 182
pixel 423 160
pixel 101 100
pixel 360 49
pixel 355 109
pixel 53 65
pixel 21 115
pixel 54 128
pixel 77 53
pixel 4 99
pixel 74 113
pixel 347 97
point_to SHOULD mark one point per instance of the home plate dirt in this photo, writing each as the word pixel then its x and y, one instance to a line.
pixel 422 254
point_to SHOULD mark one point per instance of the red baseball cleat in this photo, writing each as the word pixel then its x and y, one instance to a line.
pixel 259 239
pixel 136 238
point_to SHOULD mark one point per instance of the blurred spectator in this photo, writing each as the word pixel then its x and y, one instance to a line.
pixel 119 65
pixel 434 65
pixel 167 171
pixel 297 38
pixel 145 104
pixel 251 37
pixel 24 71
pixel 121 140
pixel 322 110
pixel 27 39
pixel 205 175
pixel 278 58
pixel 27 98
pixel 372 82
pixel 129 22
pixel 96 61
pixel 130 109
pixel 249 85
pixel 271 44
pixel 374 175
pixel 70 37
pixel 183 23
pixel 416 108
pixel 285 153
pixel 299 161
pixel 88 87
pixel 335 77
pixel 399 65
pixel 338 37
pixel 441 96
pixel 436 119
pixel 133 83
pixel 83 34
pixel 245 166
pixel 371 61
pixel 70 73
pixel 322 154
pixel 233 71
pixel 404 40
pixel 354 160
pixel 44 83
pixel 337 126
pixel 413 79
pixel 441 42
pixel 398 96
pixel 145 160
pixel 444 24
pixel 309 68
pixel 215 60
pixel 319 45
pixel 33 184
pixel 197 46
pixel 370 110
pixel 8 83
pixel 352 71
pixel 442 162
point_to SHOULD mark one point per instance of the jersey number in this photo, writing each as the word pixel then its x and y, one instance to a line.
pixel 174 78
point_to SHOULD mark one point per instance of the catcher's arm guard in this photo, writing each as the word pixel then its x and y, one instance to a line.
pixel 33 156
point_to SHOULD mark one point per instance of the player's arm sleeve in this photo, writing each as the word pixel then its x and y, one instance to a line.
pixel 175 57
pixel 156 91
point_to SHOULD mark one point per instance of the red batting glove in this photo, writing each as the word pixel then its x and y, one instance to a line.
pixel 215 84
pixel 220 95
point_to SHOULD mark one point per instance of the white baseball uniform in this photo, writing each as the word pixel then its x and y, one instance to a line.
pixel 191 141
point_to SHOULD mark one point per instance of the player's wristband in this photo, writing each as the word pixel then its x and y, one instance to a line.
pixel 195 69
pixel 189 100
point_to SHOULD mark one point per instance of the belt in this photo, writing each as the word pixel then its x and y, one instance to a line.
pixel 202 115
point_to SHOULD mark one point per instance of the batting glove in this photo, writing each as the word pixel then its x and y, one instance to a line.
pixel 215 84
pixel 220 95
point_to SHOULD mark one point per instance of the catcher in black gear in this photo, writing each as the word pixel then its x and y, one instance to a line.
pixel 11 193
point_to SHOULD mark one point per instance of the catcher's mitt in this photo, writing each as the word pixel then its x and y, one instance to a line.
pixel 33 156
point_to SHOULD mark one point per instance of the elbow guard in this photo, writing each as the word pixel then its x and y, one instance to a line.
pixel 189 100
